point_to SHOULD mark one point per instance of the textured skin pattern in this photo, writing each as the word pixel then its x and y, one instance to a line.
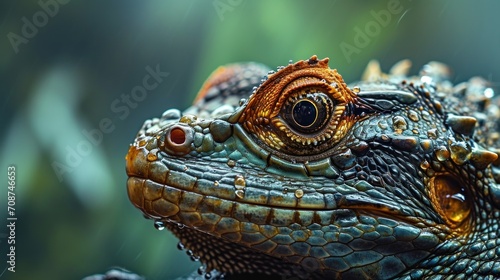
pixel 392 177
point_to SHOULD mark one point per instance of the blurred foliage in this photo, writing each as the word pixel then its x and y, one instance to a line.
pixel 85 55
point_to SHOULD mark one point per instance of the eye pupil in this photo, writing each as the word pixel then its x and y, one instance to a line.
pixel 305 113
pixel 308 113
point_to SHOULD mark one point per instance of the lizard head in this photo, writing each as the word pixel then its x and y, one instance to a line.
pixel 311 177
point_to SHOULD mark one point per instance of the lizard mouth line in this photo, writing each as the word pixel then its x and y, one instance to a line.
pixel 164 201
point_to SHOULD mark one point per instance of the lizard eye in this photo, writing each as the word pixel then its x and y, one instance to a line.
pixel 301 111
pixel 309 113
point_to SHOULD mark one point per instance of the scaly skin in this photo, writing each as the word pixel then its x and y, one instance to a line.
pixel 393 177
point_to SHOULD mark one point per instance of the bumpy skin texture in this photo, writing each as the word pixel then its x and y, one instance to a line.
pixel 392 177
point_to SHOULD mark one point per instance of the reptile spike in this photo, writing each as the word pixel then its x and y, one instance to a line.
pixel 482 158
pixel 401 68
pixel 462 124
pixel 460 152
pixel 496 151
pixel 372 72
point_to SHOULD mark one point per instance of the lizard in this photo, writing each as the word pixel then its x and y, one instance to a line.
pixel 294 174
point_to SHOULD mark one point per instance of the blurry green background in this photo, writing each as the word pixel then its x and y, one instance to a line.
pixel 63 77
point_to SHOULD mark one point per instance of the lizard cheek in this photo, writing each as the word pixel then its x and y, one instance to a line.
pixel 451 199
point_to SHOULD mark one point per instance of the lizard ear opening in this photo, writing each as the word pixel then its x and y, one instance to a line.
pixel 451 200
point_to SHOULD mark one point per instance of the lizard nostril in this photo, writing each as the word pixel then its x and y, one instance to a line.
pixel 177 140
pixel 177 136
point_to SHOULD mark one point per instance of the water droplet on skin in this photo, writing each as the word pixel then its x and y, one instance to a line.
pixel 399 123
pixel 231 163
pixel 240 193
pixel 442 153
pixel 142 143
pixel 299 193
pixel 290 61
pixel 356 89
pixel 181 226
pixel 216 183
pixel 432 133
pixel 424 165
pixel 189 253
pixel 243 100
pixel 270 72
pixel 208 275
pixel 159 225
pixel 151 156
pixel 201 270
pixel 195 258
pixel 460 152
pixel 180 246
pixel 413 116
pixel 188 119
pixel 285 190
pixel 239 182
